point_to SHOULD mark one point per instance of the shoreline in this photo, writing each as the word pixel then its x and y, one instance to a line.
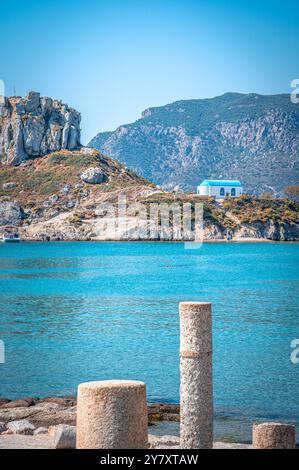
pixel 163 417
pixel 234 241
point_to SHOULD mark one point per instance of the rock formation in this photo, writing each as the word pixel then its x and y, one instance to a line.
pixel 35 126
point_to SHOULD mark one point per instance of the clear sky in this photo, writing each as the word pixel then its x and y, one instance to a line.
pixel 111 59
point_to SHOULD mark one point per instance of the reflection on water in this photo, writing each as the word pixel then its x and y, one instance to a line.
pixel 72 312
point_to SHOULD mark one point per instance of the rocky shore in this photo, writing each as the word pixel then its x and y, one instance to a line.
pixel 51 411
pixel 50 423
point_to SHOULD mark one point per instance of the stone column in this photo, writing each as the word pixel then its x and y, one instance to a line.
pixel 112 414
pixel 196 390
pixel 273 436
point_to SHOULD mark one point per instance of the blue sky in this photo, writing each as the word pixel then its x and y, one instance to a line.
pixel 112 59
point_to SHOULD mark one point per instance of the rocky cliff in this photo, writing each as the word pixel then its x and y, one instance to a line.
pixel 35 126
pixel 251 137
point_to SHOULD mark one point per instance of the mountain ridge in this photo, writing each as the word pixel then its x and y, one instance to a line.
pixel 251 137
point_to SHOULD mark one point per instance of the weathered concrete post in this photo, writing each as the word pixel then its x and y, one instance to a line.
pixel 196 390
pixel 273 436
pixel 112 414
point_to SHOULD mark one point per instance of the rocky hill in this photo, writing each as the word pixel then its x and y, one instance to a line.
pixel 35 126
pixel 250 137
pixel 57 196
pixel 60 196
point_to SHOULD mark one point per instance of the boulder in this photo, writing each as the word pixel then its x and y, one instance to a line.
pixel 89 151
pixel 16 404
pixel 70 204
pixel 3 427
pixel 9 185
pixel 65 437
pixel 65 189
pixel 93 175
pixel 22 426
pixel 3 401
pixel 40 430
pixel 84 193
pixel 63 401
pixel 32 400
pixel 54 198
pixel 163 442
pixel 10 213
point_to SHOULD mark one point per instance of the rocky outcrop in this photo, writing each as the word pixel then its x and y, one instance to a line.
pixel 268 230
pixel 252 137
pixel 35 126
pixel 93 175
pixel 43 413
pixel 258 231
pixel 63 227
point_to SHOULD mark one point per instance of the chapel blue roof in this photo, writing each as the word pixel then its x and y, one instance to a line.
pixel 220 183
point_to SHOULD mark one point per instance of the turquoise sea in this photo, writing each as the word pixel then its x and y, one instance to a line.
pixel 74 312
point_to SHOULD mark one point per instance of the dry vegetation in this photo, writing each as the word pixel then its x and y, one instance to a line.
pixel 40 178
pixel 251 209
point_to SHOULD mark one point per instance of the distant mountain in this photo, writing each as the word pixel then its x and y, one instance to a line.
pixel 250 137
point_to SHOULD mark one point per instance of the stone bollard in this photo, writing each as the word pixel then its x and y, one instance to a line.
pixel 273 436
pixel 196 389
pixel 112 414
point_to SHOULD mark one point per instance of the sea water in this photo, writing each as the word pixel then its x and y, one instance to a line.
pixel 75 312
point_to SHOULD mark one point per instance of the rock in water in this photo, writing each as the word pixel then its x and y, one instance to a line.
pixel 93 175
pixel 35 126
pixel 65 437
pixel 22 426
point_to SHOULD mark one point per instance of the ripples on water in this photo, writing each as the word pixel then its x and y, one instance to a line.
pixel 73 312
